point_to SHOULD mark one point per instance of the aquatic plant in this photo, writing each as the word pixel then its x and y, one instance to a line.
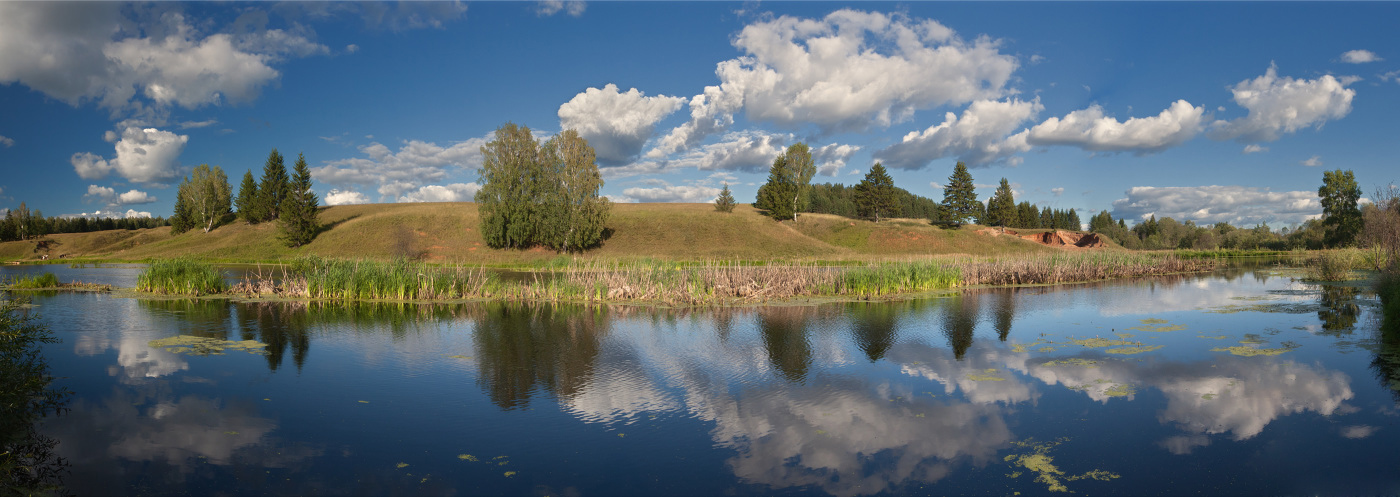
pixel 1330 265
pixel 46 280
pixel 181 277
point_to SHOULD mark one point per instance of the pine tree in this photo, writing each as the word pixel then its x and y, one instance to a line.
pixel 960 196
pixel 1001 209
pixel 725 201
pixel 298 217
pixel 246 204
pixel 273 188
pixel 875 195
pixel 1047 218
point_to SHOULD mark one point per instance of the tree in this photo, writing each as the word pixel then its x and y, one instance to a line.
pixel 273 188
pixel 788 188
pixel 203 200
pixel 246 203
pixel 298 217
pixel 1340 215
pixel 1001 208
pixel 534 193
pixel 725 201
pixel 875 194
pixel 576 213
pixel 960 197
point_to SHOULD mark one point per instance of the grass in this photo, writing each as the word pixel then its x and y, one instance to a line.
pixel 1333 265
pixel 183 276
pixel 48 281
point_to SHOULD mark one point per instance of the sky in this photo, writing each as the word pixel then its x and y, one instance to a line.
pixel 1210 112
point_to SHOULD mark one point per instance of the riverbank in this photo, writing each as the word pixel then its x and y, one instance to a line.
pixel 714 283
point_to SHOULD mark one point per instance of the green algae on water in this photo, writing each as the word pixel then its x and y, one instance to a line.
pixel 467 457
pixel 1208 396
pixel 1073 361
pixel 1138 349
pixel 1039 461
pixel 1247 351
pixel 401 465
pixel 1022 348
pixel 1154 321
pixel 1097 342
pixel 196 345
pixel 1120 390
pixel 985 375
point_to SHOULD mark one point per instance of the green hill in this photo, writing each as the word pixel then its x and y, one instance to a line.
pixel 447 232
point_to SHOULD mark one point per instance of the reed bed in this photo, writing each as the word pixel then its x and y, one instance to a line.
pixel 1332 265
pixel 1074 267
pixel 333 279
pixel 46 280
pixel 181 277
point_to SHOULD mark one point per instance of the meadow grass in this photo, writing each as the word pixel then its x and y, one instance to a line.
pixel 181 276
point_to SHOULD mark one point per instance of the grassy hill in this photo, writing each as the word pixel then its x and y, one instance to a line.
pixel 447 232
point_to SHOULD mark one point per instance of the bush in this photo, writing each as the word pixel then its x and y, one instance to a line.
pixel 1330 265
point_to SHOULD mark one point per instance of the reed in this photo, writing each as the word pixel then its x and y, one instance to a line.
pixel 46 280
pixel 401 279
pixel 1331 265
pixel 181 277
pixel 1074 267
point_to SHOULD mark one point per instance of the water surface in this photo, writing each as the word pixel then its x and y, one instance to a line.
pixel 1240 382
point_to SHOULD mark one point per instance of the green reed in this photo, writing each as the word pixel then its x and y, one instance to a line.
pixel 181 277
pixel 46 280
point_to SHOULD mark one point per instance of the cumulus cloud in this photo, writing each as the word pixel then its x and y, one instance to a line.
pixel 831 158
pixel 129 214
pixel 142 155
pixel 7 141
pixel 1283 105
pixel 978 137
pixel 345 197
pixel 402 16
pixel 456 192
pixel 112 199
pixel 690 194
pixel 1090 129
pixel 1360 57
pixel 198 124
pixel 551 7
pixel 87 52
pixel 616 124
pixel 1358 431
pixel 750 151
pixel 1057 191
pixel 844 72
pixel 1237 205
pixel 1313 161
pixel 1255 148
pixel 399 174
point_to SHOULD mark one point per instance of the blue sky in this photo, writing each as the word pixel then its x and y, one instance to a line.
pixel 1202 111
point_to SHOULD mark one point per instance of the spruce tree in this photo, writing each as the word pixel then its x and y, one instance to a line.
pixel 298 217
pixel 725 201
pixel 960 196
pixel 1001 209
pixel 247 201
pixel 273 188
pixel 875 195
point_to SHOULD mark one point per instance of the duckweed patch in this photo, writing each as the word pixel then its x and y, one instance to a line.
pixel 1154 321
pixel 1074 361
pixel 196 345
pixel 1208 396
pixel 1120 390
pixel 1022 348
pixel 401 465
pixel 1156 328
pixel 467 457
pixel 1248 351
pixel 985 375
pixel 1124 336
pixel 1096 342
pixel 1039 461
pixel 1133 350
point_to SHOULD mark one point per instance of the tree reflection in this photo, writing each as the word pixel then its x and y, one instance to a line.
pixel 1005 312
pixel 522 347
pixel 959 321
pixel 1339 309
pixel 198 317
pixel 785 338
pixel 28 464
pixel 874 327
pixel 279 325
pixel 1386 363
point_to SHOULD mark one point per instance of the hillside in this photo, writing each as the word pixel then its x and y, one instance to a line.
pixel 447 232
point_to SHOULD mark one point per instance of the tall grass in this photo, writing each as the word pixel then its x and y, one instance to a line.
pixel 1069 267
pixel 402 279
pixel 181 277
pixel 46 280
pixel 1332 265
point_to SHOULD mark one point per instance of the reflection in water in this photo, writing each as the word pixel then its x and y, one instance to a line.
pixel 1339 309
pixel 279 325
pixel 784 331
pixel 1386 363
pixel 960 320
pixel 873 328
pixel 28 463
pixel 522 347
pixel 1005 312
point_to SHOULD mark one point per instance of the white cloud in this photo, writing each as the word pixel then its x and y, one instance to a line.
pixel 831 158
pixel 935 185
pixel 616 124
pixel 143 156
pixel 401 16
pixel 550 7
pixel 85 52
pixel 1390 76
pixel 845 72
pixel 7 141
pixel 749 151
pixel 352 48
pixel 1237 205
pixel 345 197
pixel 1283 105
pixel 198 124
pixel 691 194
pixel 1255 148
pixel 1057 191
pixel 396 174
pixel 456 192
pixel 113 200
pixel 129 214
pixel 1313 161
pixel 1090 129
pixel 1359 431
pixel 1360 57
pixel 978 137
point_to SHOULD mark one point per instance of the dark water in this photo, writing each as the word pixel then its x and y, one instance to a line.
pixel 984 393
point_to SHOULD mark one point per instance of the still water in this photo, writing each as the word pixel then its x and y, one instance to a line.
pixel 1238 382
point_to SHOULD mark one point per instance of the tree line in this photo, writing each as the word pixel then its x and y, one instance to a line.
pixel 22 224
pixel 205 200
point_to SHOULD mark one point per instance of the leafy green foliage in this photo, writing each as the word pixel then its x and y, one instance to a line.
pixel 246 203
pixel 203 200
pixel 725 201
pixel 273 188
pixel 960 196
pixel 540 194
pixel 298 218
pixel 788 190
pixel 1340 214
pixel 875 196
